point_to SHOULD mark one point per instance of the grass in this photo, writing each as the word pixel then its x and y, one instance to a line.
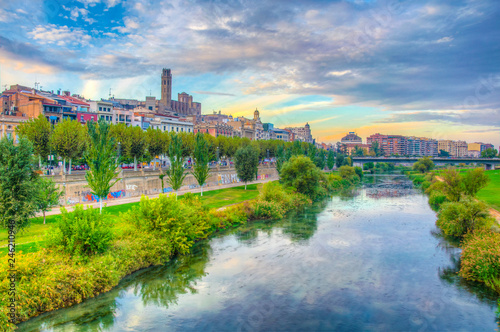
pixel 491 193
pixel 31 239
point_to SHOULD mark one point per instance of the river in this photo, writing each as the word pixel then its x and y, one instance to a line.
pixel 369 259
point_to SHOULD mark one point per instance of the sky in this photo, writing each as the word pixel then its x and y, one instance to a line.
pixel 425 68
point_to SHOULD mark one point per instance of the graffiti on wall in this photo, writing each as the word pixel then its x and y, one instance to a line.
pixel 88 197
pixel 227 178
pixel 167 190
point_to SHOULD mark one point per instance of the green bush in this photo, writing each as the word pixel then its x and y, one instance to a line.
pixel 480 259
pixel 435 186
pixel 335 181
pixel 82 232
pixel 359 171
pixel 268 210
pixel 274 192
pixel 425 184
pixel 436 199
pixel 180 221
pixel 302 174
pixel 460 218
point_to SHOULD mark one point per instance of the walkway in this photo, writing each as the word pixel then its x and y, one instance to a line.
pixel 126 200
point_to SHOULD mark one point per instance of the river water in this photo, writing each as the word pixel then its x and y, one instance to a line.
pixel 369 259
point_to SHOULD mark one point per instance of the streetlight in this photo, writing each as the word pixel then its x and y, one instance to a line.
pixel 217 158
pixel 119 150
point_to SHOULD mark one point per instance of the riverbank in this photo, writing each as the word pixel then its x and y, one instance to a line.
pixel 50 279
pixel 29 240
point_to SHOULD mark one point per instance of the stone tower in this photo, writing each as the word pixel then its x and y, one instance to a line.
pixel 166 88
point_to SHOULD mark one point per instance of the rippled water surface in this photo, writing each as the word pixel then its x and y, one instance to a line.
pixel 370 259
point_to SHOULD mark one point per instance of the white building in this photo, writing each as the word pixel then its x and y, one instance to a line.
pixel 103 109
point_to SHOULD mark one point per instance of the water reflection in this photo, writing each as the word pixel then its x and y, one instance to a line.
pixel 361 261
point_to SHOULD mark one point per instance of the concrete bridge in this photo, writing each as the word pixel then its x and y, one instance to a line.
pixel 489 163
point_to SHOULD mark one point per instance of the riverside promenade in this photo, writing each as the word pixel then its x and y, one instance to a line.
pixel 125 200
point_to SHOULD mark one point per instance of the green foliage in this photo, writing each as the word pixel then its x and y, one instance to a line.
pixel 368 166
pixel 359 152
pixel 346 172
pixel 181 222
pixel 201 156
pixel 48 195
pixel 489 153
pixel 443 153
pixel 375 148
pixel 330 159
pixel 474 180
pixel 83 232
pixel 101 159
pixel 18 188
pixel 436 199
pixel 37 131
pixel 246 162
pixel 339 160
pixel 320 159
pixel 155 140
pixel 480 259
pixel 176 172
pixel 423 165
pixel 460 218
pixel 68 139
pixel 268 210
pixel 454 187
pixel 301 173
pixel 359 171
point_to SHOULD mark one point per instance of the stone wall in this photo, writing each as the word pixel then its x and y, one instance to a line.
pixel 140 183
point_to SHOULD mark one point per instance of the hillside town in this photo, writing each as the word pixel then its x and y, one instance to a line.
pixel 20 103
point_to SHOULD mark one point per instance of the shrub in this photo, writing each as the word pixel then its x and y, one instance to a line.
pixel 301 173
pixel 82 232
pixel 480 259
pixel 180 221
pixel 425 184
pixel 229 217
pixel 274 192
pixel 359 171
pixel 460 218
pixel 335 181
pixel 436 199
pixel 438 185
pixel 268 210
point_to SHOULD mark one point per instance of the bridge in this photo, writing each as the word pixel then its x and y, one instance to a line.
pixel 489 163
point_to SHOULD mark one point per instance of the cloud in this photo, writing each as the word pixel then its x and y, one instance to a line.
pixel 467 118
pixel 213 93
pixel 444 40
pixel 59 35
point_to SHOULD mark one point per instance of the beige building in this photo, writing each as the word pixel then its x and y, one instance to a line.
pixel 454 148
pixel 301 133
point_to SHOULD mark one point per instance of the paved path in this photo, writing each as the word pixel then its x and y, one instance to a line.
pixel 126 200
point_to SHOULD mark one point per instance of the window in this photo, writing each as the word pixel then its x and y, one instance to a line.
pixel 177 129
pixel 102 116
pixel 150 108
pixel 164 128
pixel 100 108
pixel 81 117
pixel 182 129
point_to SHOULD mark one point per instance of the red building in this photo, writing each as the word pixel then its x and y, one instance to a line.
pixel 84 117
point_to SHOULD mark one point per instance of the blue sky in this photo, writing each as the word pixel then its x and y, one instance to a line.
pixel 426 68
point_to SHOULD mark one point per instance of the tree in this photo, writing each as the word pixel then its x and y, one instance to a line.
pixel 489 153
pixel 320 159
pixel 453 187
pixel 474 180
pixel 339 161
pixel 423 165
pixel 101 158
pixel 156 145
pixel 359 152
pixel 460 218
pixel 37 131
pixel 176 172
pixel 18 187
pixel 280 157
pixel 346 172
pixel 246 163
pixel 443 153
pixel 330 159
pixel 375 148
pixel 135 144
pixel 48 195
pixel 202 157
pixel 301 174
pixel 68 140
pixel 311 152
